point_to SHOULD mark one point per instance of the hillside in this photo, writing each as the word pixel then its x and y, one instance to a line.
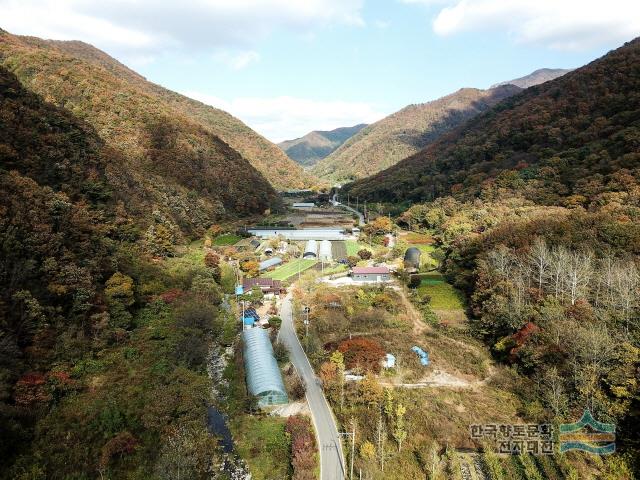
pixel 535 78
pixel 169 168
pixel 96 366
pixel 266 157
pixel 573 140
pixel 316 145
pixel 386 142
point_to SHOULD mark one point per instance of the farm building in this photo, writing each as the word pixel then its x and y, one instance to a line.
pixel 304 206
pixel 325 251
pixel 267 285
pixel 412 259
pixel 301 234
pixel 264 380
pixel 310 249
pixel 267 264
pixel 370 274
pixel 250 317
pixel 249 244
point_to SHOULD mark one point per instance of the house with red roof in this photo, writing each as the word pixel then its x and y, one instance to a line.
pixel 370 274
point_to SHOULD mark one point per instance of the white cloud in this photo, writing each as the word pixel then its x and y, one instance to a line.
pixel 558 24
pixel 285 118
pixel 239 60
pixel 154 26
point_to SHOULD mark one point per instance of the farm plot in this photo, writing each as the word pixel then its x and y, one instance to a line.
pixel 290 269
pixel 339 250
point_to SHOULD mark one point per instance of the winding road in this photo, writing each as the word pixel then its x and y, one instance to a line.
pixel 330 447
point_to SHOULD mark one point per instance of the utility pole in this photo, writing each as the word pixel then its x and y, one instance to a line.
pixel 351 434
pixel 306 321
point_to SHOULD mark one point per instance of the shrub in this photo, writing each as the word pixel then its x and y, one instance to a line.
pixel 362 352
pixel 364 254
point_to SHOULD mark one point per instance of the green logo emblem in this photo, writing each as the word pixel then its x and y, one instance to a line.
pixel 588 435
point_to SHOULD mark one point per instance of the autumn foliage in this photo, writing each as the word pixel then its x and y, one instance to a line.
pixel 303 447
pixel 363 353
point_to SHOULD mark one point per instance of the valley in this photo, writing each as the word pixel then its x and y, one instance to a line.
pixel 451 292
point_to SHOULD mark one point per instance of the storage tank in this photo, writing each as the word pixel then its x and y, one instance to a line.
pixel 325 251
pixel 310 249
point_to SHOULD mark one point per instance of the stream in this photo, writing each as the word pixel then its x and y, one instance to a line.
pixel 232 465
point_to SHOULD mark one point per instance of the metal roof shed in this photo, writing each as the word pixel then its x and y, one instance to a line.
pixel 264 380
pixel 272 262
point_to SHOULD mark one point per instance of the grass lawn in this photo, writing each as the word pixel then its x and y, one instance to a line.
pixel 443 296
pixel 290 269
pixel 225 239
pixel 263 443
pixel 353 247
pixel 335 269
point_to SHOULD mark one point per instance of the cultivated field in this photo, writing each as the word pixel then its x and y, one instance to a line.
pixel 290 269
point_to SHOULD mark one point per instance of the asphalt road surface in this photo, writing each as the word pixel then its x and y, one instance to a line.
pixel 331 457
pixel 336 203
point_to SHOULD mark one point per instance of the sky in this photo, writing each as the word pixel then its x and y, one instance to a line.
pixel 286 67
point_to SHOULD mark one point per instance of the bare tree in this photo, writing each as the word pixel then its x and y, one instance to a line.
pixel 558 266
pixel 540 260
pixel 578 274
pixel 502 260
pixel 626 285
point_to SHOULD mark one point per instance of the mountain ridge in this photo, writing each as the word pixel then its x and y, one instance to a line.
pixel 405 132
pixel 265 156
pixel 560 142
pixel 167 164
pixel 536 77
pixel 318 144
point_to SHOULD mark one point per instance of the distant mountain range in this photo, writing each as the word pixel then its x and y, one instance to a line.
pixel 315 146
pixel 386 142
pixel 570 141
pixel 535 78
pixel 46 67
pixel 404 133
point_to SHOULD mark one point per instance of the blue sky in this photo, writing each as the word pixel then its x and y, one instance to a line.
pixel 286 67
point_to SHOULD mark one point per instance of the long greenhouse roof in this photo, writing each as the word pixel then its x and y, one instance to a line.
pixel 261 367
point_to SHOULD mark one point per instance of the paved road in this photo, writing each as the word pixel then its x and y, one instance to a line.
pixel 336 203
pixel 331 457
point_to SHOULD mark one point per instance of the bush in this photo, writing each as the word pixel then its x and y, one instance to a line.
pixel 364 254
pixel 362 352
pixel 303 448
pixel 414 281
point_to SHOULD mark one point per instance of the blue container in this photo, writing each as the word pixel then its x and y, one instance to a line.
pixel 424 356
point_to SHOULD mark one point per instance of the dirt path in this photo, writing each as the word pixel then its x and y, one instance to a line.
pixel 419 327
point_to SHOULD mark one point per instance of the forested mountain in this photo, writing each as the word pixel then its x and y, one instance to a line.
pixel 102 372
pixel 535 78
pixel 536 205
pixel 405 132
pixel 574 140
pixel 58 70
pixel 316 145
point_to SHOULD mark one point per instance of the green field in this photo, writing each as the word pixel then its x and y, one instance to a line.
pixel 226 239
pixel 353 247
pixel 263 443
pixel 290 269
pixel 443 296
